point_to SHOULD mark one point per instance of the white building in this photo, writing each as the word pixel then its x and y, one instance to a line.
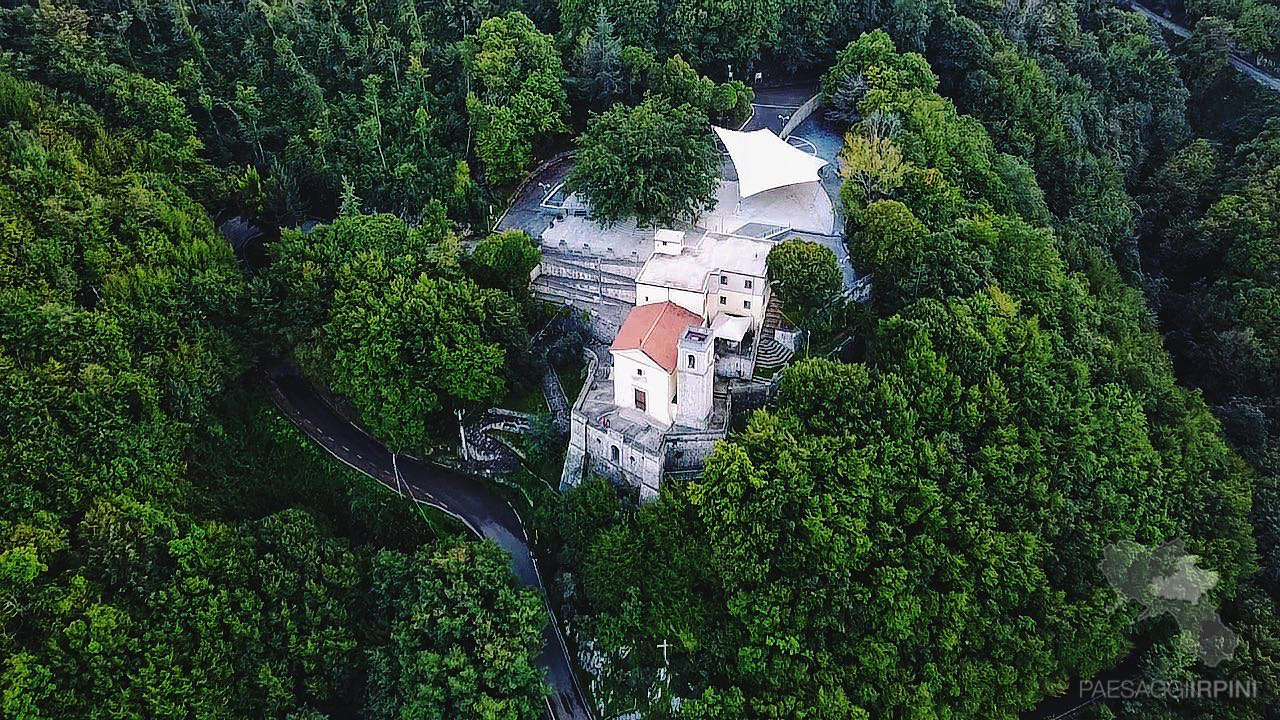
pixel 698 321
pixel 664 402
pixel 645 359
pixel 717 274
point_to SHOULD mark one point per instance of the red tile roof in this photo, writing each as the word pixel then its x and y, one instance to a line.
pixel 655 330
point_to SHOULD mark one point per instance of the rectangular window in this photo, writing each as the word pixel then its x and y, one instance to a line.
pixel 746 304
pixel 722 300
pixel 746 284
pixel 724 280
pixel 640 403
pixel 639 371
pixel 693 362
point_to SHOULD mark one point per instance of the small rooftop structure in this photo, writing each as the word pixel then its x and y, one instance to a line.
pixel 713 253
pixel 668 242
pixel 765 161
pixel 655 330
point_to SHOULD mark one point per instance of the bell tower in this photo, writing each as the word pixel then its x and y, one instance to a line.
pixel 695 377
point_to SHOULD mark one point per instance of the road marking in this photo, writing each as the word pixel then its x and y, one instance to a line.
pixel 443 507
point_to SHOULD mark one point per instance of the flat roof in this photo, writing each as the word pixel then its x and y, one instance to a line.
pixel 713 253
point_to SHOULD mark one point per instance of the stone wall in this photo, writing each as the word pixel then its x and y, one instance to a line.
pixel 800 115
pixel 636 466
pixel 575 456
pixel 590 281
pixel 748 395
pixel 734 366
pixel 689 451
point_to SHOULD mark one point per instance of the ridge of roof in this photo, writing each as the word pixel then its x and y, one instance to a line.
pixel 655 330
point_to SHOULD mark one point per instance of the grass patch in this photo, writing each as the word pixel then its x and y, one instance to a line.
pixel 572 377
pixel 527 400
pixel 768 373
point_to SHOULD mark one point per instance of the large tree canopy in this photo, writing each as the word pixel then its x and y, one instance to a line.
pixel 382 313
pixel 654 162
pixel 804 274
pixel 518 94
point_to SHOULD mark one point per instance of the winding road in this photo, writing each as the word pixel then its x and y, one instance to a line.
pixel 1238 61
pixel 469 500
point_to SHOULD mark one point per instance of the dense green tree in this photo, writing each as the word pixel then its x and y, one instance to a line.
pixel 403 349
pixel 504 261
pixel 1258 26
pixel 636 21
pixel 804 274
pixel 715 34
pixel 517 94
pixel 804 31
pixel 680 84
pixel 308 94
pixel 161 554
pixel 119 307
pixel 1207 54
pixel 654 162
pixel 1225 312
pixel 1179 192
pixel 871 165
pixel 383 314
pixel 1253 25
pixel 459 637
pixel 295 294
pixel 597 75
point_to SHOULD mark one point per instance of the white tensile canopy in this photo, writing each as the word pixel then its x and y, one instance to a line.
pixel 765 161
pixel 730 327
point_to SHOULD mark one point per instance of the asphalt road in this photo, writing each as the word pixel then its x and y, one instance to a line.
pixel 1237 61
pixel 526 212
pixel 772 107
pixel 468 499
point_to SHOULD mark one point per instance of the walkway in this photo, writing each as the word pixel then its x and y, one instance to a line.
pixel 553 391
pixel 471 501
pixel 1238 62
pixel 773 106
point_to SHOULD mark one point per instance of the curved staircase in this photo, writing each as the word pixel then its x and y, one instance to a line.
pixel 771 354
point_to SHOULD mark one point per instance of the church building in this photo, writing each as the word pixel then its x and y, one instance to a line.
pixel 663 400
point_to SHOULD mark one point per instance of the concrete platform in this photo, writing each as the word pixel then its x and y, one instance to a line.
pixel 804 207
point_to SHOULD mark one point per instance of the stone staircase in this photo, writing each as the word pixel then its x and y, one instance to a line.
pixel 615 269
pixel 580 290
pixel 604 313
pixel 771 354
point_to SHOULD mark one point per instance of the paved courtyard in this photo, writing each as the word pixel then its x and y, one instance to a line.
pixel 592 266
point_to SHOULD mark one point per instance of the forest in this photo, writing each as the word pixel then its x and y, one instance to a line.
pixel 1073 225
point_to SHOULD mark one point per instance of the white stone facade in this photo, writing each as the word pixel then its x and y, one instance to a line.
pixel 648 411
